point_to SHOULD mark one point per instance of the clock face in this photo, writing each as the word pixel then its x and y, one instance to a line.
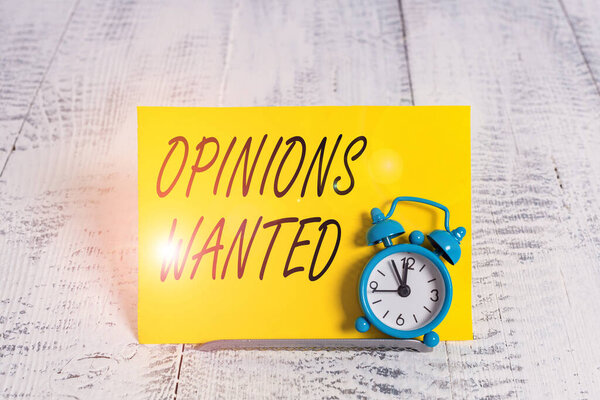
pixel 406 291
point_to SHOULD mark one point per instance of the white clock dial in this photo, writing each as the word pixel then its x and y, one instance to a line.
pixel 406 305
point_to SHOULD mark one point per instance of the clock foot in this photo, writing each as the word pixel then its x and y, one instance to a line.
pixel 362 325
pixel 431 339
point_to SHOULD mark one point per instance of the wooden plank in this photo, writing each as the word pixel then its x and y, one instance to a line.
pixel 314 53
pixel 535 191
pixel 29 37
pixel 68 199
pixel 583 19
pixel 313 374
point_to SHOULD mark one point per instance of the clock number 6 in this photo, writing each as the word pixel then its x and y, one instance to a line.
pixel 436 295
pixel 400 320
pixel 373 285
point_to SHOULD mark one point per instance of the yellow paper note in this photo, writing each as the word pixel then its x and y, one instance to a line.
pixel 252 221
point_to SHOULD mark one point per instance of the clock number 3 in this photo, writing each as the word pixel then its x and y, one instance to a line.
pixel 400 320
pixel 435 292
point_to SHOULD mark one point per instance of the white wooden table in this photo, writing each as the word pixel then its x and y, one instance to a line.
pixel 72 73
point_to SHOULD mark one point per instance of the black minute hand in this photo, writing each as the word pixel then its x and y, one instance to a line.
pixel 405 272
pixel 397 274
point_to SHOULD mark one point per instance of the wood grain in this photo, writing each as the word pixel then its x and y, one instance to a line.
pixel 29 37
pixel 315 53
pixel 582 16
pixel 71 75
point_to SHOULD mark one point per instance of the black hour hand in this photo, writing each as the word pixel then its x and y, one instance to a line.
pixel 397 274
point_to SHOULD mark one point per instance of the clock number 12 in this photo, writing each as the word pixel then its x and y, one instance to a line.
pixel 408 262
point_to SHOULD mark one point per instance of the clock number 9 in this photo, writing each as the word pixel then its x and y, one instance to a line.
pixel 436 295
pixel 400 320
pixel 373 285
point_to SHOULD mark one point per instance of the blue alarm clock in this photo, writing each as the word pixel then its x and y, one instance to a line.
pixel 405 290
